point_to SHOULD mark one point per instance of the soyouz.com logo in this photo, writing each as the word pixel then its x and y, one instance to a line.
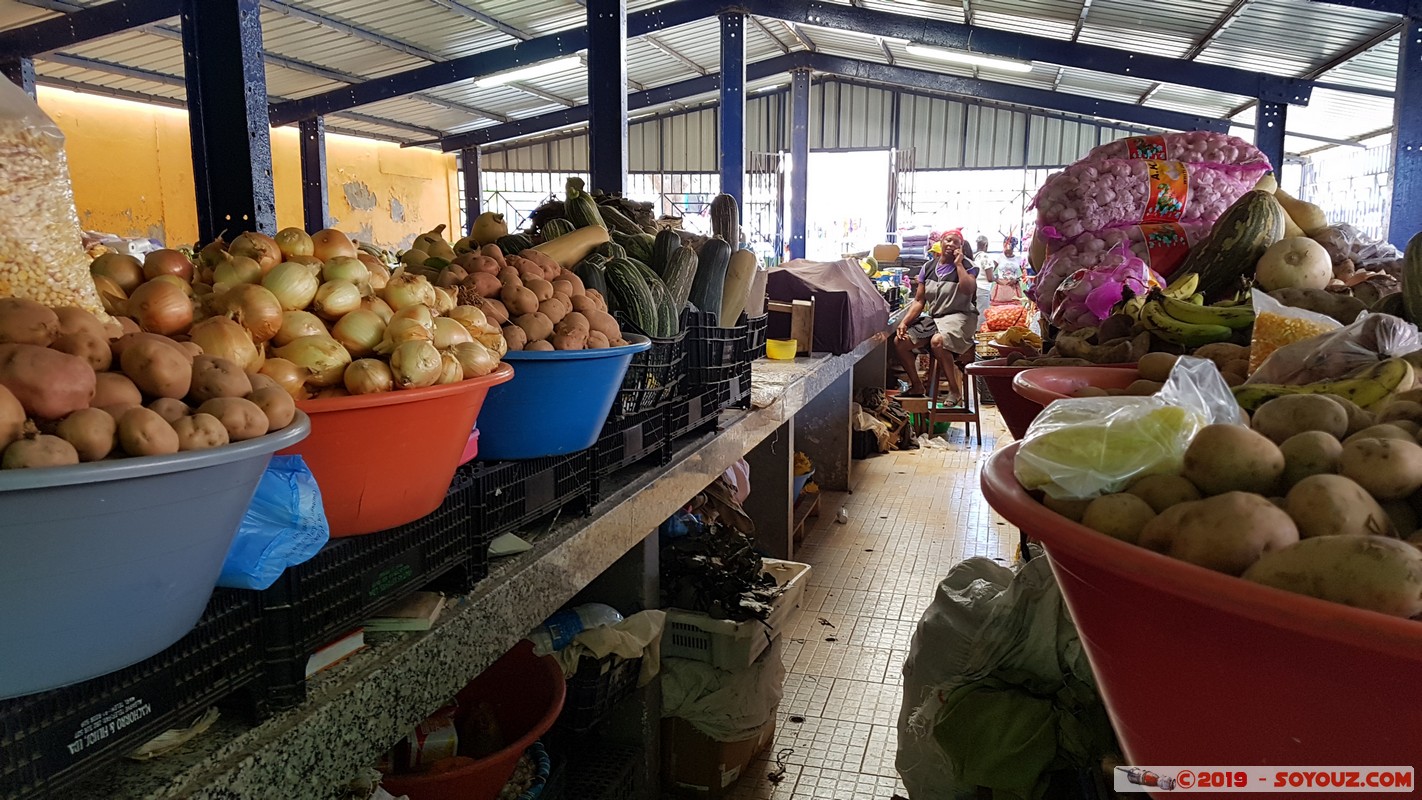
pixel 1264 779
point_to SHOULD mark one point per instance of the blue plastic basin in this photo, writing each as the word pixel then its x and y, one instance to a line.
pixel 555 404
pixel 103 565
pixel 800 481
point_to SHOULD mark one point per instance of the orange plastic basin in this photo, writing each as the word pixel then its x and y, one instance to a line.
pixel 384 460
pixel 1017 411
pixel 1199 667
pixel 1045 384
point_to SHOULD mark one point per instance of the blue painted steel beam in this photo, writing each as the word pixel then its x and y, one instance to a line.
pixel 1386 6
pixel 472 166
pixel 315 197
pixel 607 95
pixel 21 72
pixel 1010 44
pixel 1406 219
pixel 532 126
pixel 227 116
pixel 477 65
pixel 733 107
pixel 1270 120
pixel 799 160
pixel 81 26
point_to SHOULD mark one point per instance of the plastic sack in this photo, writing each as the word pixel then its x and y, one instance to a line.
pixel 1162 247
pixel 284 526
pixel 1081 448
pixel 1331 356
pixel 1277 325
pixel 1087 297
pixel 1352 250
pixel 42 255
pixel 1192 147
pixel 1094 195
pixel 726 705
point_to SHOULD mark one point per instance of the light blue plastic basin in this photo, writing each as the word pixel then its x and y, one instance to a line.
pixel 103 565
pixel 555 404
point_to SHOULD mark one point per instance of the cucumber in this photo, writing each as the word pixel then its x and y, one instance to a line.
pixel 710 281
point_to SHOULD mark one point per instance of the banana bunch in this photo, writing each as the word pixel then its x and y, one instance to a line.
pixel 370 249
pixel 1019 336
pixel 1178 315
pixel 1368 388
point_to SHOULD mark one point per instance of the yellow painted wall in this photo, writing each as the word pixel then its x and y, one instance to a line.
pixel 131 165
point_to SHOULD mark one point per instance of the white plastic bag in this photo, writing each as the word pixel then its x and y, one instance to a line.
pixel 1087 447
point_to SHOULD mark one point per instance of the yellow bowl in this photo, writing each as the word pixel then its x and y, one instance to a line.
pixel 781 349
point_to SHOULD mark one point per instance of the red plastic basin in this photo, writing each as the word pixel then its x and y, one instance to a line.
pixel 1016 410
pixel 471 450
pixel 383 460
pixel 1045 384
pixel 1198 667
pixel 526 694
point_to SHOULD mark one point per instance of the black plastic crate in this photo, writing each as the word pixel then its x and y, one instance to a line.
pixel 627 441
pixel 695 415
pixel 596 688
pixel 608 772
pixel 713 352
pixel 52 739
pixel 756 329
pixel 654 376
pixel 738 389
pixel 508 495
pixel 314 603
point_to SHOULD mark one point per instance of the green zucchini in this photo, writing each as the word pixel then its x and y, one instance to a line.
pixel 710 281
pixel 615 220
pixel 632 295
pixel 590 271
pixel 679 275
pixel 1412 279
pixel 739 273
pixel 1238 240
pixel 554 228
pixel 611 251
pixel 514 243
pixel 668 318
pixel 664 244
pixel 726 219
pixel 637 245
pixel 579 205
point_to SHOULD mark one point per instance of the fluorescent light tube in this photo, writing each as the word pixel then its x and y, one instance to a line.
pixel 971 59
pixel 764 89
pixel 527 73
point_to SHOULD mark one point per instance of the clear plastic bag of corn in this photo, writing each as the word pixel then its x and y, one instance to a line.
pixel 42 254
pixel 1277 325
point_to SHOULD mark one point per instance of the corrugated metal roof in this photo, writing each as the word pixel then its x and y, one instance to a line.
pixel 309 56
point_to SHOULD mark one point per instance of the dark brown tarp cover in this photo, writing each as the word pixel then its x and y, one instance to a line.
pixel 848 308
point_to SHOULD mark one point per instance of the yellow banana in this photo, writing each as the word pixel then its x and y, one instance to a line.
pixel 1230 317
pixel 1183 286
pixel 1369 389
pixel 1155 318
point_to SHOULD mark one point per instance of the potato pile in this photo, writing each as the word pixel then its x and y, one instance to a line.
pixel 74 390
pixel 1154 369
pixel 1318 497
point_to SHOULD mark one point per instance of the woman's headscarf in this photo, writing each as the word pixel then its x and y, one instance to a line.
pixel 944 270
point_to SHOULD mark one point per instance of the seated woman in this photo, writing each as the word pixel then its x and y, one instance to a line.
pixel 943 314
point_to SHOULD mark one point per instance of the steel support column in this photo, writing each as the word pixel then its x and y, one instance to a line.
pixel 315 198
pixel 473 169
pixel 1269 122
pixel 1406 218
pixel 799 159
pixel 227 116
pixel 607 95
pixel 733 106
pixel 21 71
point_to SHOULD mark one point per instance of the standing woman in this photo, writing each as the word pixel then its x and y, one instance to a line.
pixel 943 314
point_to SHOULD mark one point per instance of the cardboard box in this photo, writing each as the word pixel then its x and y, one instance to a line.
pixel 695 764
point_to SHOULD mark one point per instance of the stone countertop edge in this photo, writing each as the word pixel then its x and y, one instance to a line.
pixel 358 710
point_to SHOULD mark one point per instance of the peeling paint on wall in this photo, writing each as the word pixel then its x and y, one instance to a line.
pixel 365 234
pixel 397 209
pixel 359 196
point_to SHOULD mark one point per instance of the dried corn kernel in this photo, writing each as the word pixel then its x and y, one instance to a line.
pixel 41 251
pixel 1272 331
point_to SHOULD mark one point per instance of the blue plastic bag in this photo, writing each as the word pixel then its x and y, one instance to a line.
pixel 285 525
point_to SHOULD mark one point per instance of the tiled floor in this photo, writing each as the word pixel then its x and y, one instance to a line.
pixel 912 516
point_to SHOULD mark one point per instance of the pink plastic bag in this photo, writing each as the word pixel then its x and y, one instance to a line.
pixel 1087 297
pixel 1162 247
pixel 1192 147
pixel 1095 195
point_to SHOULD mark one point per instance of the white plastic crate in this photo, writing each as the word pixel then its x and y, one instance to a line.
pixel 726 644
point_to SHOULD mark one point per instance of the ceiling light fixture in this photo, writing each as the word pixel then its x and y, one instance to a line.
pixel 527 73
pixel 971 59
pixel 771 88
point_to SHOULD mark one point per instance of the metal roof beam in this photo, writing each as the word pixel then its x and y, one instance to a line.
pixel 349 29
pixel 799 33
pixel 765 29
pixel 686 62
pixel 85 24
pixel 541 95
pixel 1221 22
pixel 888 54
pixel 478 65
pixel 1010 44
pixel 486 19
pixel 1081 20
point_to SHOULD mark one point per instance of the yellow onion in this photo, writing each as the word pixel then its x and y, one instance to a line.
pixel 161 307
pixel 368 376
pixel 343 268
pixel 113 297
pixel 379 274
pixel 296 324
pixel 400 331
pixel 415 365
pixel 445 300
pixel 167 262
pixel 475 359
pixel 359 332
pixel 221 337
pixel 213 254
pixel 124 270
pixel 293 284
pixel 238 269
pixel 310 261
pixel 323 358
pixel 287 375
pixel 448 333
pixel 174 280
pixel 450 369
pixel 259 247
pixel 379 306
pixel 254 308
pixel 495 341
pixel 202 288
pixel 336 299
pixel 329 243
pixel 421 314
pixel 473 319
pixel 330 392
pixel 294 242
pixel 404 289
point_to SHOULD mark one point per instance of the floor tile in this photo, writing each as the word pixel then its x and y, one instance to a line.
pixel 864 701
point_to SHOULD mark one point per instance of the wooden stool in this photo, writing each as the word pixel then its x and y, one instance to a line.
pixel 967 411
